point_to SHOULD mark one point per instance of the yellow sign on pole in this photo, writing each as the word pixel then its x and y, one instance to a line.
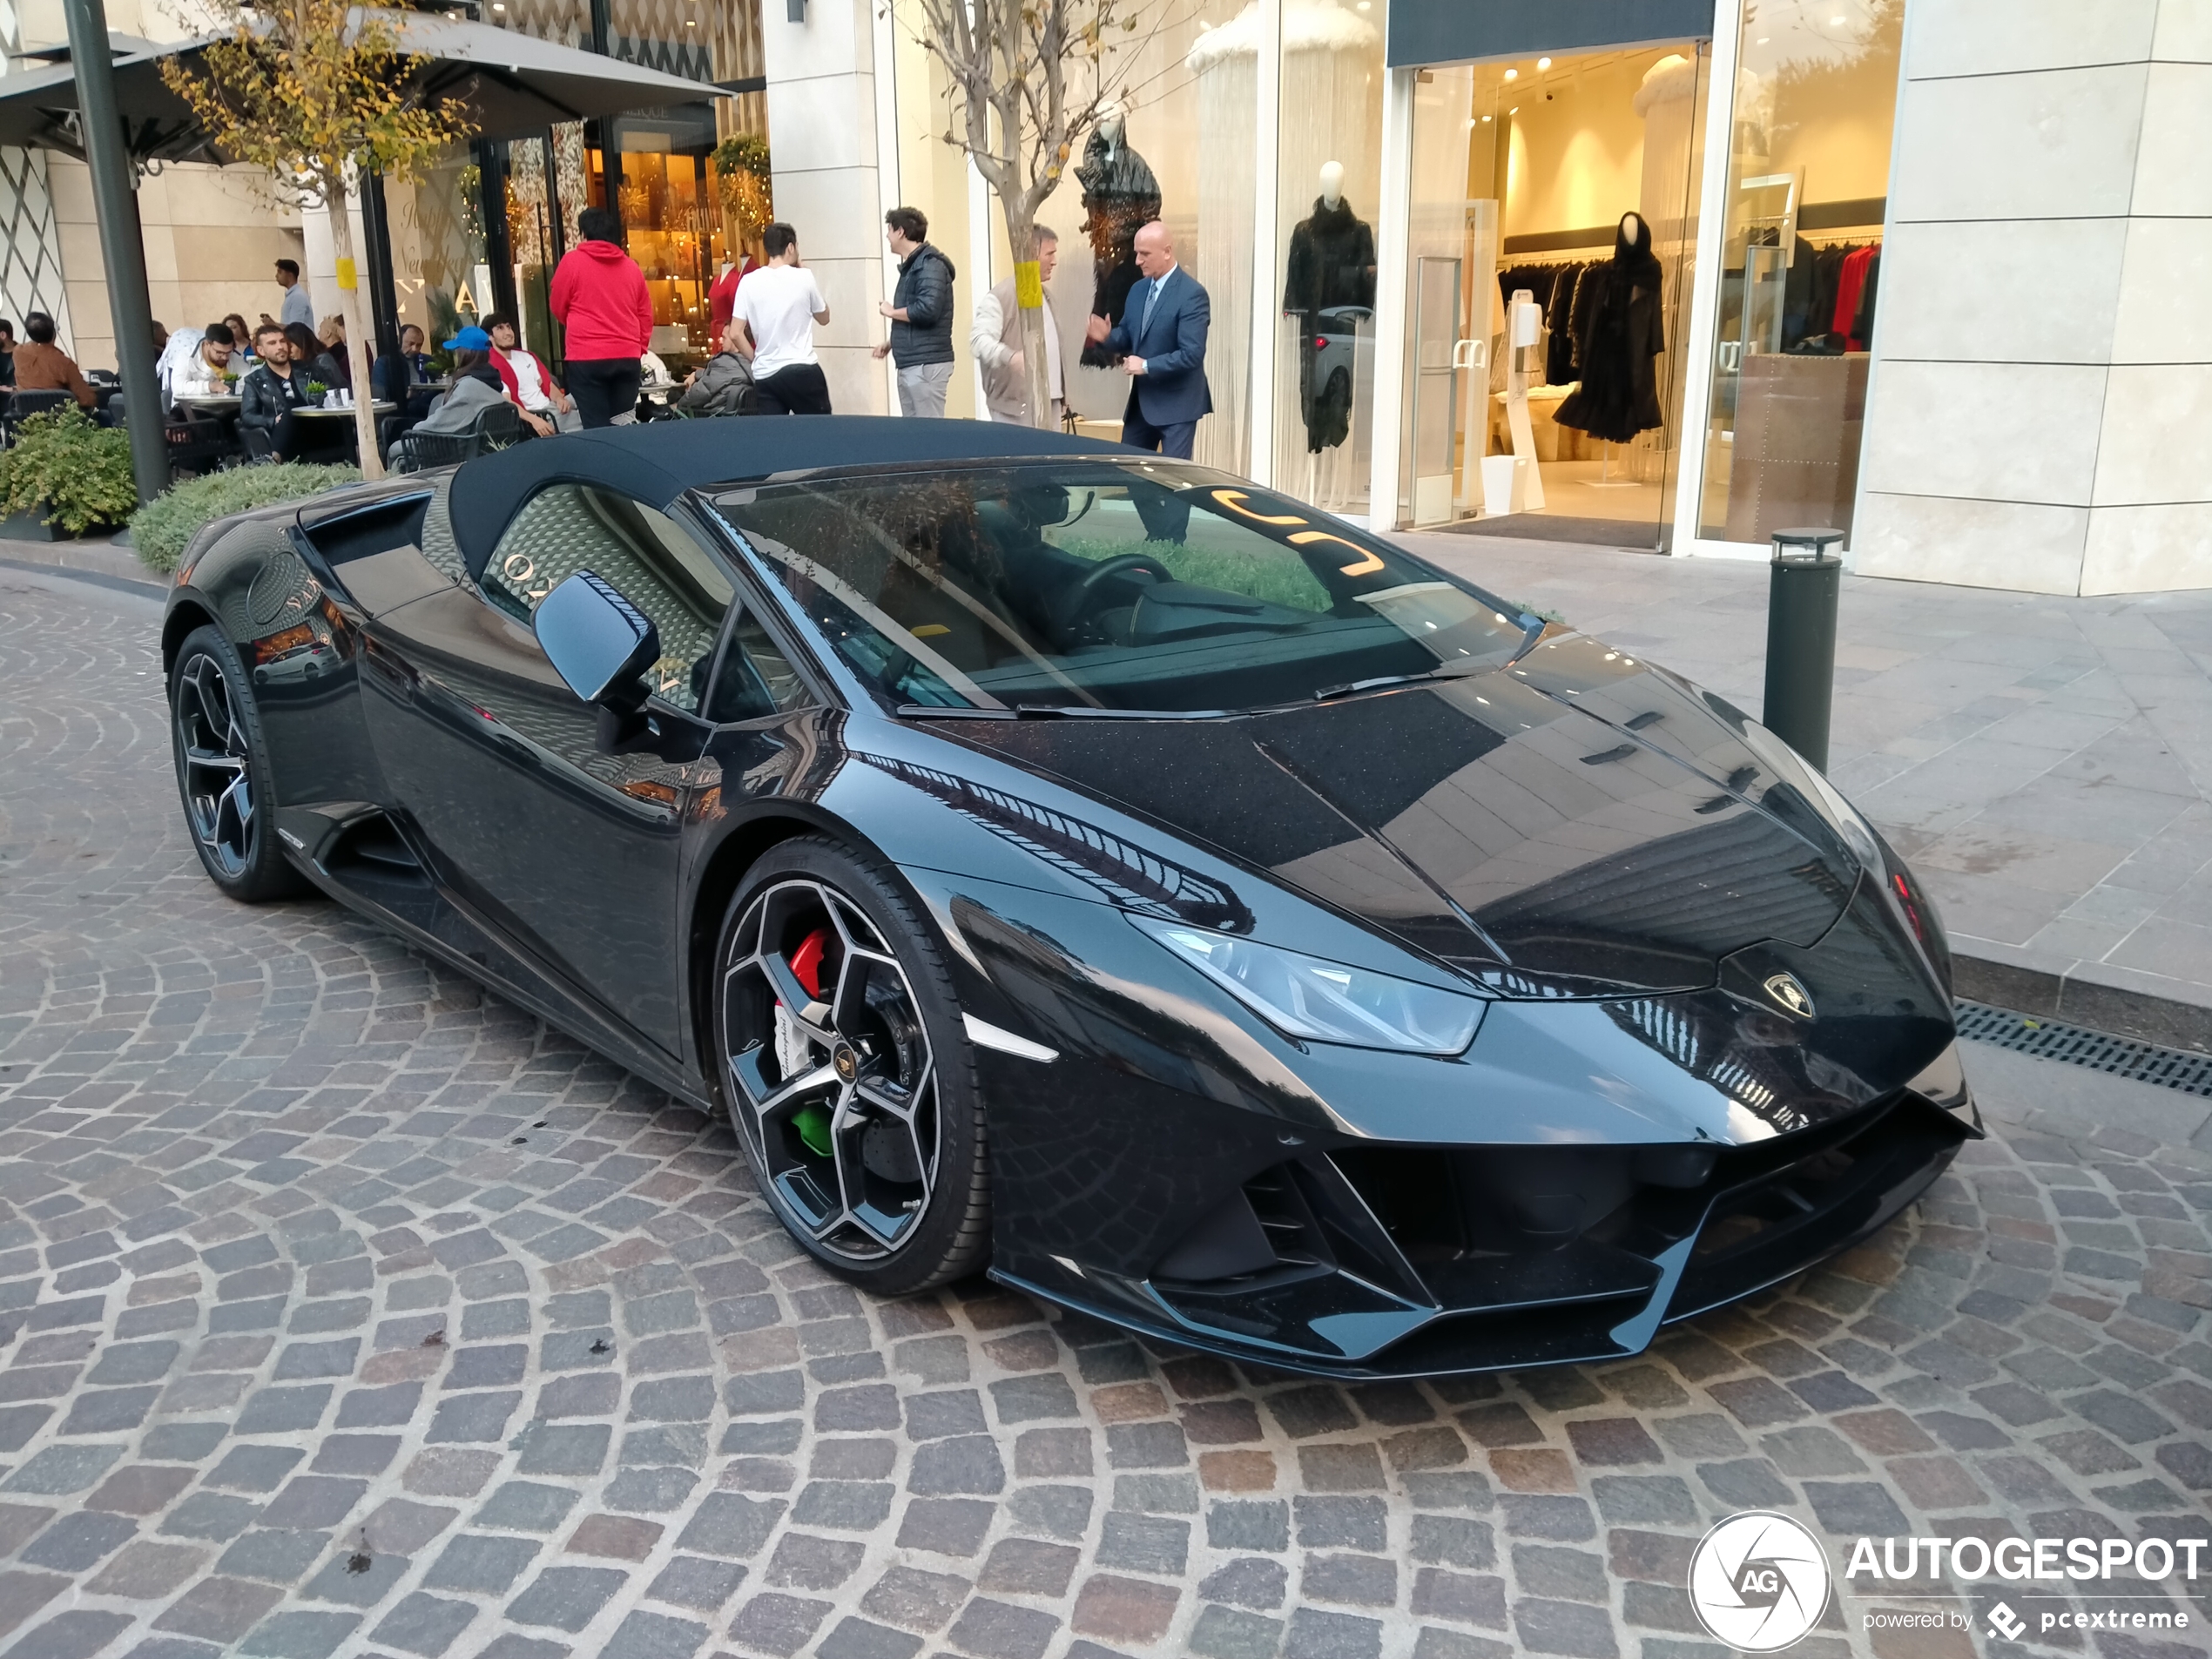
pixel 346 275
pixel 1028 285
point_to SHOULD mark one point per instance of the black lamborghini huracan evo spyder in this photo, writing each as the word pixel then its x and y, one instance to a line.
pixel 1086 864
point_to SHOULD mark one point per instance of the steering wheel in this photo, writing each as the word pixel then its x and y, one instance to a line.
pixel 1121 564
pixel 1070 612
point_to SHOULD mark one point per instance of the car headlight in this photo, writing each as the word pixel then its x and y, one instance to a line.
pixel 1325 1001
pixel 1791 767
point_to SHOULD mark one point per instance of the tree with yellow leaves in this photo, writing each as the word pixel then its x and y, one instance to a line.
pixel 1008 63
pixel 318 92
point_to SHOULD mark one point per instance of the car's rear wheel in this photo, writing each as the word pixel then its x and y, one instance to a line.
pixel 223 771
pixel 840 1052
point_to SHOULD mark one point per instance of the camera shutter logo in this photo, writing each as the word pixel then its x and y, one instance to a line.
pixel 1759 1581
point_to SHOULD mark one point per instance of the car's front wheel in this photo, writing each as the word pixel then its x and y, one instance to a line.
pixel 223 771
pixel 841 1053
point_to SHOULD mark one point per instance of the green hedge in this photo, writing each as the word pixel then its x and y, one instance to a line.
pixel 163 531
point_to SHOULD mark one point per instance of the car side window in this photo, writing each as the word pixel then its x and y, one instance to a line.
pixel 756 679
pixel 643 554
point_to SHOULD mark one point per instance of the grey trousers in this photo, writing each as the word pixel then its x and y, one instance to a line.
pixel 922 388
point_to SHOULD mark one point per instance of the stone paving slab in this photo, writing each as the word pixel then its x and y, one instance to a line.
pixel 347 1311
pixel 2044 761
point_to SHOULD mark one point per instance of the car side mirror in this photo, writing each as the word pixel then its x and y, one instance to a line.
pixel 599 642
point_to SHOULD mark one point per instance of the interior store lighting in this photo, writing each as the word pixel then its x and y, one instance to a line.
pixel 1512 74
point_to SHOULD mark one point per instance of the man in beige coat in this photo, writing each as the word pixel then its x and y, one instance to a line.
pixel 995 339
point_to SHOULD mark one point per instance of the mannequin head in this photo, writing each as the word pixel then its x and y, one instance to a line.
pixel 1632 228
pixel 1112 119
pixel 1331 183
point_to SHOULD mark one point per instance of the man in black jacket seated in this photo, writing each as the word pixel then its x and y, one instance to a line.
pixel 268 397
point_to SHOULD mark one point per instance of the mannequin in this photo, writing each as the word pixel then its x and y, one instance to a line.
pixel 1121 196
pixel 1617 342
pixel 1329 285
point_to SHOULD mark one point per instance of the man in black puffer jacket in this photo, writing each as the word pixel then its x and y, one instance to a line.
pixel 921 311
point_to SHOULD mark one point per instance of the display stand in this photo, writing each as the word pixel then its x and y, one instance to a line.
pixel 1605 480
pixel 1524 325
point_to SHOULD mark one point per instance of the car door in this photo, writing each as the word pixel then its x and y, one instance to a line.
pixel 568 846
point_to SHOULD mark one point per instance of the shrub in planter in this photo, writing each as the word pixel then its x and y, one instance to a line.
pixel 68 472
pixel 166 526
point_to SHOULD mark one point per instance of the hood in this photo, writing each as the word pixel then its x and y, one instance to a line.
pixel 1493 823
pixel 1633 253
pixel 605 253
pixel 930 251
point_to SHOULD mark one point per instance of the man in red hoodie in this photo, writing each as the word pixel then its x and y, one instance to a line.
pixel 599 297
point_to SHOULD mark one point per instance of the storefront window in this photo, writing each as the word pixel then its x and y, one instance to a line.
pixel 1330 168
pixel 1552 234
pixel 442 275
pixel 1809 163
pixel 1174 140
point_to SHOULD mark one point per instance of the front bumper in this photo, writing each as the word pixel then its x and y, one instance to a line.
pixel 1396 1261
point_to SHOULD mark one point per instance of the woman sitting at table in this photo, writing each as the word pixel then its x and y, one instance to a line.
pixel 477 388
pixel 308 352
pixel 331 331
pixel 241 341
pixel 206 372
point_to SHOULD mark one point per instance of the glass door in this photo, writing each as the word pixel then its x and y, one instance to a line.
pixel 1521 176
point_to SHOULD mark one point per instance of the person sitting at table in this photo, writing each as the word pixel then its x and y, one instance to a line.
pixel 331 331
pixel 392 375
pixel 41 365
pixel 206 372
pixel 476 386
pixel 545 407
pixel 241 341
pixel 309 352
pixel 723 384
pixel 270 398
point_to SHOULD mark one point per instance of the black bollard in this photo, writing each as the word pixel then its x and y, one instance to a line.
pixel 1807 577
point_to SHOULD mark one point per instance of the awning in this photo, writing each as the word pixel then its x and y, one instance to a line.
pixel 513 86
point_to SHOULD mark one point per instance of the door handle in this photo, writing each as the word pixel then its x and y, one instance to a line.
pixel 1470 353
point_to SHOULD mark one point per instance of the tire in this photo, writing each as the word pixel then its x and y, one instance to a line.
pixel 223 773
pixel 854 1095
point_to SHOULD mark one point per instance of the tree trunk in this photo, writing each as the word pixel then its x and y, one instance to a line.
pixel 358 329
pixel 1028 299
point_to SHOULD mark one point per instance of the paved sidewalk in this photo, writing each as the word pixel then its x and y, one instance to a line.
pixel 2043 761
pixel 347 1314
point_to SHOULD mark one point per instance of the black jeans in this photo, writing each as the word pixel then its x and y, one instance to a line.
pixel 800 390
pixel 604 388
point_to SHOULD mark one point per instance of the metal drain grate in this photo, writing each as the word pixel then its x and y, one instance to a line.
pixel 2143 1062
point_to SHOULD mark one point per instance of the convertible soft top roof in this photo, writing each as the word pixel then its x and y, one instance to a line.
pixel 656 462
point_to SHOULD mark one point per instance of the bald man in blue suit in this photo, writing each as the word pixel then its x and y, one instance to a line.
pixel 1161 336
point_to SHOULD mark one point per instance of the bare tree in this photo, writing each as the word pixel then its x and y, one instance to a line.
pixel 316 91
pixel 1014 115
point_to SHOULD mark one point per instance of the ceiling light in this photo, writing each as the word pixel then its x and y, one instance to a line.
pixel 1512 74
pixel 1543 63
pixel 1514 111
pixel 1485 117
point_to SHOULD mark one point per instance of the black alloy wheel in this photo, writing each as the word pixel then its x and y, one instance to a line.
pixel 847 1072
pixel 223 771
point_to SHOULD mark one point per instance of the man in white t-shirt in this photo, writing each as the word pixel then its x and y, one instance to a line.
pixel 778 305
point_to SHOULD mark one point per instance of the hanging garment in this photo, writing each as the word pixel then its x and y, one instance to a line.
pixel 1331 270
pixel 1862 323
pixel 1618 347
pixel 1847 291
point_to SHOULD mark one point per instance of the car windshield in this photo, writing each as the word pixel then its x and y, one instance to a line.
pixel 1106 586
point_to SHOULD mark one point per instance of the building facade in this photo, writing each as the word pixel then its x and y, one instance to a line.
pixel 1671 274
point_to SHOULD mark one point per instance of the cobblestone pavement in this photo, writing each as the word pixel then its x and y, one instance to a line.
pixel 347 1311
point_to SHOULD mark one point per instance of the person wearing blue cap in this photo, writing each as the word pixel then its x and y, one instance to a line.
pixel 475 387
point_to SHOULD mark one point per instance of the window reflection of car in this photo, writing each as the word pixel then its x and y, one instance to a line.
pixel 298 665
pixel 1194 908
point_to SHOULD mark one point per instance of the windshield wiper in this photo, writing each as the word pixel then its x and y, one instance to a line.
pixel 1452 671
pixel 1052 711
pixel 1531 631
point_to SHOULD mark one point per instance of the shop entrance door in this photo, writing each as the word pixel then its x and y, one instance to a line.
pixel 1520 173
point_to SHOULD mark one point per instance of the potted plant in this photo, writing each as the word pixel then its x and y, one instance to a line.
pixel 65 475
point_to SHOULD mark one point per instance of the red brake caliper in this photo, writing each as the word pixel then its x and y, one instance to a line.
pixel 813 1122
